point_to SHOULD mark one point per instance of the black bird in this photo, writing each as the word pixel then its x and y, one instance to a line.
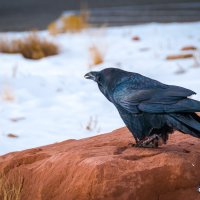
pixel 150 109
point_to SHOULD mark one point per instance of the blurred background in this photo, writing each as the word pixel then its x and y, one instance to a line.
pixel 47 46
pixel 23 15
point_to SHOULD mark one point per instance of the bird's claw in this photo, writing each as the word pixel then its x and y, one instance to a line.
pixel 149 142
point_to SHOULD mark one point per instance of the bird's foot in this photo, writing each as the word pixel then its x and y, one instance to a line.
pixel 149 142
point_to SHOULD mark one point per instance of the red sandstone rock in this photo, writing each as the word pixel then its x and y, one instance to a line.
pixel 105 167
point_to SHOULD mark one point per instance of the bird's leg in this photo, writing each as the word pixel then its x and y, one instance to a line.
pixel 136 139
pixel 137 142
pixel 149 142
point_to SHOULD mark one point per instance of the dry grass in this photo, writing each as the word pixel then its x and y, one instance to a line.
pixel 180 70
pixel 17 119
pixel 32 47
pixel 196 59
pixel 189 48
pixel 96 56
pixel 11 135
pixel 92 125
pixel 11 187
pixel 179 56
pixel 69 23
pixel 7 94
pixel 136 38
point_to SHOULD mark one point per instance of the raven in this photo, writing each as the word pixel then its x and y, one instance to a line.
pixel 150 109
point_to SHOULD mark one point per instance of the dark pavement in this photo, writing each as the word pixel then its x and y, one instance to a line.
pixel 21 15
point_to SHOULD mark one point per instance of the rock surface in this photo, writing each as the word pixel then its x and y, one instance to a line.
pixel 104 167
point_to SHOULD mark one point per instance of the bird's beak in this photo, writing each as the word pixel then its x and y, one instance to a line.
pixel 91 75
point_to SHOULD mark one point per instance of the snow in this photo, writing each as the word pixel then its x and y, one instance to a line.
pixel 52 102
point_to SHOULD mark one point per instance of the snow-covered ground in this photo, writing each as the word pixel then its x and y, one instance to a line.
pixel 50 99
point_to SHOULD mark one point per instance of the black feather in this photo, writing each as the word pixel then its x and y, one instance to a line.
pixel 148 106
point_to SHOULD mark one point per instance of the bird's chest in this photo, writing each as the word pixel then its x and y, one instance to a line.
pixel 107 93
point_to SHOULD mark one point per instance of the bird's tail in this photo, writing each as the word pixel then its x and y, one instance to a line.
pixel 188 123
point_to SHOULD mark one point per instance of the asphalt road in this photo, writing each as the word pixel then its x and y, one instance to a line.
pixel 21 15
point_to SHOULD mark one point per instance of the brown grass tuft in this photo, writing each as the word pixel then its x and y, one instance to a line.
pixel 7 94
pixel 69 23
pixel 32 47
pixel 187 48
pixel 136 38
pixel 179 56
pixel 11 135
pixel 96 56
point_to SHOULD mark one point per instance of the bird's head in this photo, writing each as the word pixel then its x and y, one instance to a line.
pixel 93 76
pixel 108 78
pixel 104 77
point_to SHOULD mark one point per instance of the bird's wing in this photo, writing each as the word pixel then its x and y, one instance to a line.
pixel 183 105
pixel 156 99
